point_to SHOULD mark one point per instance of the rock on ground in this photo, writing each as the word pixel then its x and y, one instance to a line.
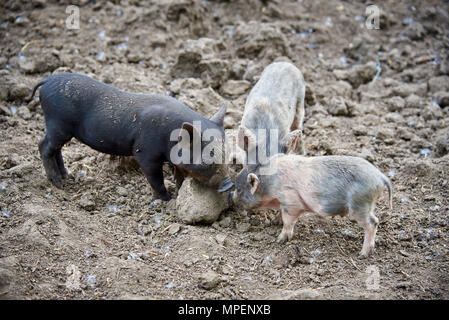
pixel 442 144
pixel 440 83
pixel 235 87
pixel 198 59
pixel 442 98
pixel 209 280
pixel 254 39
pixel 358 74
pixel 300 294
pixel 199 204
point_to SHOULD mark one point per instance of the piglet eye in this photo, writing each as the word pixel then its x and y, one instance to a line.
pixel 212 153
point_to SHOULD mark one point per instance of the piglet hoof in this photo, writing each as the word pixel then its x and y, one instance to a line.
pixel 64 175
pixel 164 197
pixel 57 182
pixel 282 238
pixel 363 255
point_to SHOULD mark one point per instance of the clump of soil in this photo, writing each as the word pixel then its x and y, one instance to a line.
pixel 378 94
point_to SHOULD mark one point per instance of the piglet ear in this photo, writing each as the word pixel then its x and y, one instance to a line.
pixel 293 143
pixel 253 181
pixel 218 118
pixel 246 139
pixel 185 137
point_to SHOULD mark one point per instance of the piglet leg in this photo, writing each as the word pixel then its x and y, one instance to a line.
pixel 50 150
pixel 154 174
pixel 369 222
pixel 289 217
pixel 179 177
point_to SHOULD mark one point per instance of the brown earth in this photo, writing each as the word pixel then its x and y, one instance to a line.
pixel 104 237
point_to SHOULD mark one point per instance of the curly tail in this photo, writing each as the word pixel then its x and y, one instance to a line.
pixel 35 89
pixel 387 183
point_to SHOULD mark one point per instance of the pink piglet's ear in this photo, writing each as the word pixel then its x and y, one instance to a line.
pixel 246 139
pixel 253 180
pixel 293 142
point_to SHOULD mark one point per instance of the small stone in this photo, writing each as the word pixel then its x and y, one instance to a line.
pixel 4 111
pixel 415 31
pixel 358 74
pixel 134 58
pixel 442 144
pixel 86 202
pixel 432 111
pixel 394 117
pixel 39 3
pixel 243 227
pixel 385 134
pixel 310 98
pixel 209 280
pixel 6 278
pixel 178 85
pixel 174 228
pixel 221 238
pixel 341 88
pixel 12 160
pixel 395 104
pixel 24 113
pixel 238 68
pixel 337 106
pixel 100 56
pixel 365 154
pixel 404 253
pixel 5 212
pixel 252 71
pixel 225 222
pixel 40 62
pixel 260 39
pixel 405 90
pixel 442 98
pixel 404 285
pixel 301 294
pixel 19 91
pixel 360 130
pixel 122 191
pixel 440 83
pixel 235 87
pixel 305 260
pixel 413 101
pixel 197 59
pixel 22 21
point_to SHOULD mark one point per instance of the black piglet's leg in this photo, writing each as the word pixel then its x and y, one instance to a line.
pixel 62 170
pixel 154 174
pixel 179 178
pixel 50 150
pixel 47 152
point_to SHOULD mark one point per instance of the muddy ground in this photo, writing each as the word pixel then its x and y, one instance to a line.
pixel 381 94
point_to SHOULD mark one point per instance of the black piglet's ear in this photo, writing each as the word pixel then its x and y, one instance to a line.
pixel 218 118
pixel 185 137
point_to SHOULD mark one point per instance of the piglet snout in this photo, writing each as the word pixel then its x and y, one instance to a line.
pixel 225 185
